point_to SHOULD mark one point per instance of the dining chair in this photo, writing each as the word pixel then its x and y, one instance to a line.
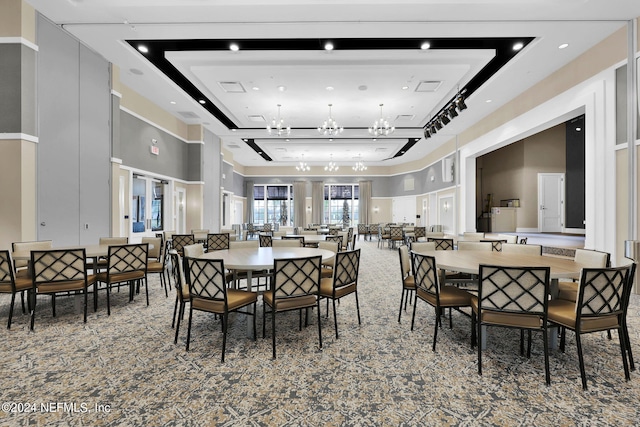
pixel 58 270
pixel 512 297
pixel 265 241
pixel 299 239
pixel 343 282
pixel 156 261
pixel 422 246
pixel 472 236
pixel 568 290
pixel 251 231
pixel 508 238
pixel 193 251
pixel 327 264
pixel 442 244
pixel 179 241
pixel 516 248
pixel 383 235
pixel 363 230
pixel 9 283
pixel 429 290
pixel 601 305
pixel 407 279
pixel 347 245
pixel 395 235
pixel 266 228
pixel 524 240
pixel 294 286
pixel 287 243
pixel 21 267
pixel 496 245
pixel 475 246
pixel 126 264
pixel 182 293
pixel 419 233
pixel 208 292
pixel 335 238
pixel 217 241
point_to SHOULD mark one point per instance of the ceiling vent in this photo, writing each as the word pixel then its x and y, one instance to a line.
pixel 381 149
pixel 188 114
pixel 233 146
pixel 405 117
pixel 232 87
pixel 428 86
pixel 256 118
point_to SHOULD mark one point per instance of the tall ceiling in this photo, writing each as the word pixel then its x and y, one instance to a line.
pixel 377 58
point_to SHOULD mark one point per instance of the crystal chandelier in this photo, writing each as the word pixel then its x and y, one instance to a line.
pixel 331 166
pixel 359 166
pixel 277 126
pixel 330 127
pixel 381 127
pixel 303 166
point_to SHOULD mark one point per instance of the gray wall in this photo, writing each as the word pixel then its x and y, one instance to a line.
pixel 73 170
pixel 17 89
pixel 211 176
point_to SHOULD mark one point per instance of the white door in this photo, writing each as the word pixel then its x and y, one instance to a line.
pixel 403 209
pixel 550 202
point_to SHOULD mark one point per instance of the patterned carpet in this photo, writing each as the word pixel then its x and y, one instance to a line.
pixel 124 370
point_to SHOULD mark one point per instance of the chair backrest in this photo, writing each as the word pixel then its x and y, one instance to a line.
pixel 434 234
pixel 419 232
pixel 29 246
pixel 335 238
pixel 298 238
pixel 425 273
pixel 266 227
pixel 515 248
pixel 249 244
pixel 349 235
pixel 405 261
pixel 441 243
pixel 114 240
pixel 155 247
pixel 265 240
pixel 363 228
pixel 53 266
pixel 330 246
pixel 515 290
pixel 296 277
pixel 168 234
pixel 422 246
pixel 508 238
pixel 309 232
pixel 127 258
pixel 217 241
pixel 333 231
pixel 496 245
pixel 250 227
pixel 594 259
pixel 279 233
pixel 345 269
pixel 475 246
pixel 473 236
pixel 395 233
pixel 288 243
pixel 7 275
pixel 206 279
pixel 179 241
pixel 193 251
pixel 523 240
pixel 182 286
pixel 601 292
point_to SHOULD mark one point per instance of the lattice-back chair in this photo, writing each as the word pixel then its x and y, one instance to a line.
pixel 363 230
pixel 523 240
pixel 156 261
pixel 508 238
pixel 630 282
pixel 217 241
pixel 422 246
pixel 475 246
pixel 428 289
pixel 267 228
pixel 335 238
pixel 472 236
pixel 383 235
pixel 265 241
pixel 288 242
pixel 208 292
pixel 395 235
pixel 58 270
pixel 294 286
pixel 515 248
pixel 419 233
pixel 496 245
pixel 333 231
pixel 343 282
pixel 22 266
pixel 600 306
pixel 442 244
pixel 407 280
pixel 347 245
pixel 182 293
pixel 512 297
pixel 179 241
pixel 9 283
pixel 126 264
pixel 193 251
pixel 327 264
pixel 251 230
pixel 590 258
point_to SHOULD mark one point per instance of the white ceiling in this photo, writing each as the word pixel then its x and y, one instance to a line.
pixel 360 79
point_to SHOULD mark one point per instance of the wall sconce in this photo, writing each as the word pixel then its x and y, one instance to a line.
pixel 376 209
pixel 308 208
pixel 446 206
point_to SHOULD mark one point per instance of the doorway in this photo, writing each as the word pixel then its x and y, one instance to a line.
pixel 550 202
pixel 147 206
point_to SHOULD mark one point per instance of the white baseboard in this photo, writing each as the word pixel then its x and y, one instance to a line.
pixel 526 230
pixel 575 231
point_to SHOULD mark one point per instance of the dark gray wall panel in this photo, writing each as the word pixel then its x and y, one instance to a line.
pixel 211 175
pixel 227 176
pixel 238 188
pixel 195 162
pixel 115 127
pixel 575 175
pixel 10 88
pixel 58 174
pixel 95 148
pixel 135 149
pixel 28 111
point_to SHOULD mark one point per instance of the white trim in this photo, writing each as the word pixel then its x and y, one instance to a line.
pixel 22 136
pixel 19 40
pixel 159 176
pixel 230 164
pixel 144 119
pixel 116 160
pixel 195 142
pixel 574 231
pixel 116 93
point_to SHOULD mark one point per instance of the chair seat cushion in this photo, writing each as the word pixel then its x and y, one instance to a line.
pixel 450 296
pixel 155 267
pixel 568 291
pixel 235 299
pixel 326 273
pixel 68 285
pixel 119 277
pixel 409 282
pixel 563 312
pixel 22 283
pixel 516 320
pixel 284 304
pixel 326 289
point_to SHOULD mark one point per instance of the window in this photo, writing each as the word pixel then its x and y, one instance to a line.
pixel 273 204
pixel 341 204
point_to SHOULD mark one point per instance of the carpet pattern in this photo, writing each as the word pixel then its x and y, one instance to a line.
pixel 124 369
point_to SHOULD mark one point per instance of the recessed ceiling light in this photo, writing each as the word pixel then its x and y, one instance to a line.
pixel 259 152
pixel 425 45
pixel 563 46
pixel 374 139
pixel 136 71
pixel 488 101
pixel 578 129
pixel 245 139
pixel 234 47
pixel 330 139
pixel 255 88
pixel 202 101
pixel 282 88
pixel 287 140
pixel 142 48
pixel 328 46
pixel 518 45
pixel 172 102
pixel 329 88
pixel 362 87
pixel 405 87
pixel 233 130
